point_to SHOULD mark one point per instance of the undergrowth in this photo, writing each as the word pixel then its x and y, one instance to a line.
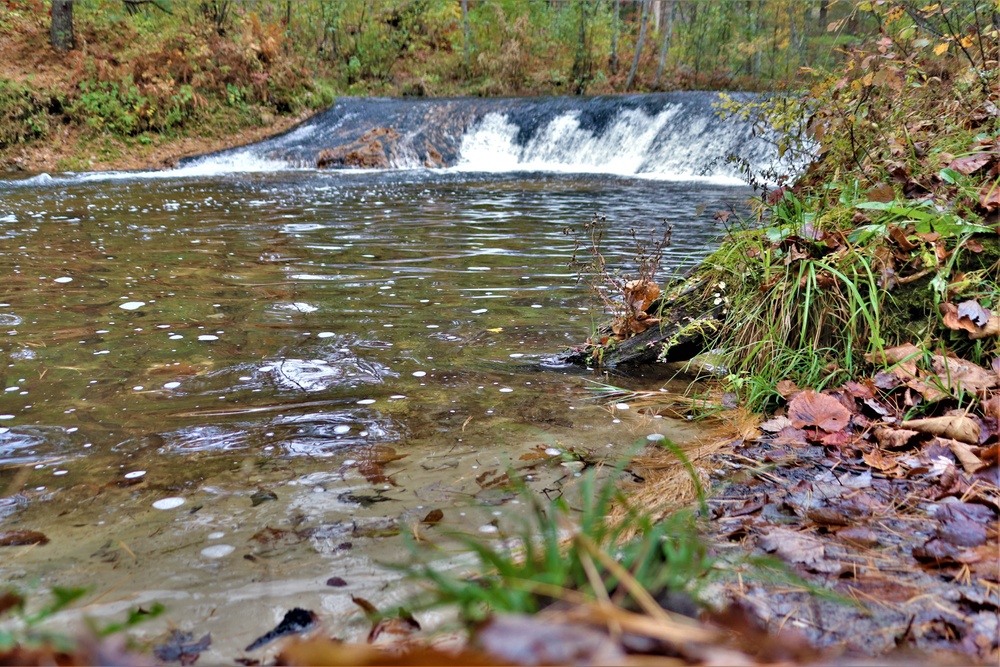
pixel 894 220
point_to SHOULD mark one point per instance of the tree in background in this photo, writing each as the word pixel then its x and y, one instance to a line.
pixel 61 33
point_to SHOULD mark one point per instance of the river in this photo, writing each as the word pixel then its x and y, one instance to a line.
pixel 225 384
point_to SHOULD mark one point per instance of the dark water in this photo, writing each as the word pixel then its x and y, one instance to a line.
pixel 263 345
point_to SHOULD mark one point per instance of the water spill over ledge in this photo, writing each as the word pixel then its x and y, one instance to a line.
pixel 221 391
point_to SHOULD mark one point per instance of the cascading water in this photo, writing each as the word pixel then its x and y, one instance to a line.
pixel 668 136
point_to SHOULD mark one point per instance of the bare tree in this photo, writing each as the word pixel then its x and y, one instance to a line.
pixel 668 31
pixel 638 44
pixel 61 32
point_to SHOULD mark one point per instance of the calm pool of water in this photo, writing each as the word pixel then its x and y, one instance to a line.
pixel 310 361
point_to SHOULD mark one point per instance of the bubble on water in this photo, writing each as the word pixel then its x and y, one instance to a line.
pixel 245 378
pixel 218 551
pixel 11 388
pixel 342 429
pixel 162 326
pixel 217 535
pixel 516 355
pixel 103 352
pixel 505 390
pixel 616 421
pixel 480 311
pixel 176 336
pixel 480 268
pixel 419 374
pixel 553 451
pixel 138 387
pixel 396 397
pixel 6 416
pixel 366 401
pixel 135 474
pixel 63 280
pixel 489 529
pixel 60 472
pixel 168 503
pixel 132 305
pixel 208 337
pixel 655 437
pixel 622 406
pixel 433 326
pixel 266 369
pixel 536 305
pixel 325 334
pixel 171 385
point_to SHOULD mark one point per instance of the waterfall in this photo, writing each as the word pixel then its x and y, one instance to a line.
pixel 665 136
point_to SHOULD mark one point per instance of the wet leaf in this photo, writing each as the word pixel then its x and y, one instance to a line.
pixel 974 312
pixel 961 375
pixel 523 640
pixel 786 388
pixel 962 533
pixel 956 427
pixel 989 196
pixel 883 192
pixel 859 536
pixel 262 497
pixel 433 517
pixel 963 452
pixel 16 538
pixel 775 424
pixel 951 318
pixel 971 164
pixel 181 648
pixel 640 294
pixel 793 546
pixel 811 409
pixel 296 621
pixel 991 328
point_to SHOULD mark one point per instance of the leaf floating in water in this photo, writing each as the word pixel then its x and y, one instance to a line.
pixel 179 647
pixel 296 621
pixel 262 497
pixel 17 538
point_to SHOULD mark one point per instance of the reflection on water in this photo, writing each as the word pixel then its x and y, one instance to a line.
pixel 355 349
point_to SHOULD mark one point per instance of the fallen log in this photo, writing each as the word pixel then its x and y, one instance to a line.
pixel 688 321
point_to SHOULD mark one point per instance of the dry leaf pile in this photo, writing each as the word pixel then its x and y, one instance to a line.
pixel 899 516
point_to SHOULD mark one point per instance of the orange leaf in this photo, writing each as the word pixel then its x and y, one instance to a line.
pixel 811 409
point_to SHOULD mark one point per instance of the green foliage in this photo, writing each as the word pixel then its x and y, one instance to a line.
pixel 23 116
pixel 563 553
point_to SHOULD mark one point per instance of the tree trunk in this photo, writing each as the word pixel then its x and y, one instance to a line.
pixel 61 33
pixel 613 64
pixel 638 44
pixel 668 31
pixel 465 34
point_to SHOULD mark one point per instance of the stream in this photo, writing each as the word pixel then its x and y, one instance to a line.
pixel 226 384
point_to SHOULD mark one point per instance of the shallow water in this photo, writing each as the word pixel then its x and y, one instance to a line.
pixel 263 346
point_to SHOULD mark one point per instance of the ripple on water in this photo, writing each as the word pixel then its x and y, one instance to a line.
pixel 26 444
pixel 335 368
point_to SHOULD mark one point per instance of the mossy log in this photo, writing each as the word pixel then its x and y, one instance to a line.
pixel 689 320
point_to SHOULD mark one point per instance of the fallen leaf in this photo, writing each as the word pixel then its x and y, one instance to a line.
pixel 961 375
pixel 879 461
pixel 433 517
pixel 963 452
pixel 974 312
pixel 16 538
pixel 786 388
pixel 951 318
pixel 989 196
pixel 859 536
pixel 792 546
pixel 811 409
pixel 991 328
pixel 181 648
pixel 882 193
pixel 775 424
pixel 955 427
pixel 971 164
pixel 523 640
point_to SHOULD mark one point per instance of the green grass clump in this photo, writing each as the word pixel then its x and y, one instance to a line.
pixel 579 556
